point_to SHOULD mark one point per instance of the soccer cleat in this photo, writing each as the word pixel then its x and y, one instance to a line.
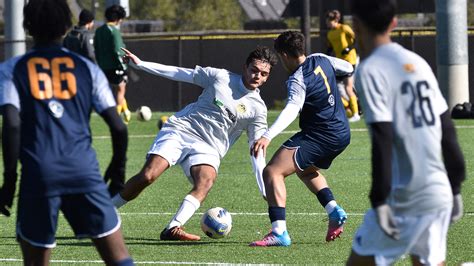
pixel 178 233
pixel 355 118
pixel 337 218
pixel 127 116
pixel 273 240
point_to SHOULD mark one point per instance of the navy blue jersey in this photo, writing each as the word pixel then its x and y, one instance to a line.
pixel 55 91
pixel 322 115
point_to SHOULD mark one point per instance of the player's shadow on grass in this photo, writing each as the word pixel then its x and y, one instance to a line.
pixel 129 241
pixel 155 241
pixel 8 241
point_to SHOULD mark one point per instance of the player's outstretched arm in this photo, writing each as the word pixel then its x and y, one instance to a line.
pixel 118 130
pixel 381 137
pixel 170 72
pixel 454 163
pixel 11 152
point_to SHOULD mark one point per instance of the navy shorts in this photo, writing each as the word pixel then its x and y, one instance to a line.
pixel 89 214
pixel 312 151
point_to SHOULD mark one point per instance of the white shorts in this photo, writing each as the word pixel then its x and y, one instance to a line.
pixel 424 236
pixel 342 90
pixel 179 148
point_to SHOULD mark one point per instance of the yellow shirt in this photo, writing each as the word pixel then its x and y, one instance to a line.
pixel 341 37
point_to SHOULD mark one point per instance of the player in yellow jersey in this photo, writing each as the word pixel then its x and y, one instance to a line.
pixel 341 40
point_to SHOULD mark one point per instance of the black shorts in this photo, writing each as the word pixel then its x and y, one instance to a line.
pixel 115 77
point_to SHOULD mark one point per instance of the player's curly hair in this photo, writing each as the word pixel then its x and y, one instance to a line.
pixel 375 14
pixel 263 54
pixel 115 12
pixel 46 20
pixel 291 43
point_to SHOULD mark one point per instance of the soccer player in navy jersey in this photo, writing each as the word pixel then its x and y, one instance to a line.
pixel 47 96
pixel 325 133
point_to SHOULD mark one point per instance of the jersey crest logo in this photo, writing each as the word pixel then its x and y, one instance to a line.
pixel 241 108
pixel 410 68
pixel 56 109
pixel 331 100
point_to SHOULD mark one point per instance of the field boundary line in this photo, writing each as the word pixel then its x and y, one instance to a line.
pixel 136 262
pixel 257 213
pixel 284 132
pixel 247 213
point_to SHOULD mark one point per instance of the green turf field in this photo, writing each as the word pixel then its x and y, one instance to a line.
pixel 236 190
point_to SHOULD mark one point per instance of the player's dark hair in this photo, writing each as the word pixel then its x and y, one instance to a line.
pixel 290 43
pixel 375 14
pixel 46 20
pixel 333 15
pixel 114 13
pixel 263 54
pixel 85 17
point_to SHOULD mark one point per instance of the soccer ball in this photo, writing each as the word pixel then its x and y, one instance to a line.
pixel 162 121
pixel 216 222
pixel 144 113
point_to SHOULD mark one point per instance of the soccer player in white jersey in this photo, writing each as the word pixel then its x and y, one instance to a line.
pixel 417 164
pixel 198 136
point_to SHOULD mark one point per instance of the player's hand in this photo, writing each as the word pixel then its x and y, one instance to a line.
pixel 457 211
pixel 115 173
pixel 260 144
pixel 386 220
pixel 346 50
pixel 7 192
pixel 130 56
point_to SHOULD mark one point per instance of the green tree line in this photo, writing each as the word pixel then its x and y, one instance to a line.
pixel 182 15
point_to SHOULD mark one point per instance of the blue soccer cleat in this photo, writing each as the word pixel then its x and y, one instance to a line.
pixel 273 240
pixel 337 218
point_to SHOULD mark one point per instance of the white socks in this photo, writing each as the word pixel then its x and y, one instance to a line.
pixel 279 226
pixel 330 206
pixel 118 201
pixel 188 207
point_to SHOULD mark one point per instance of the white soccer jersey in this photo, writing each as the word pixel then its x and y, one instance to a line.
pixel 223 111
pixel 398 86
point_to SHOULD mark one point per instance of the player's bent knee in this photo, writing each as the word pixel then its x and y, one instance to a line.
pixel 270 173
pixel 204 182
pixel 149 177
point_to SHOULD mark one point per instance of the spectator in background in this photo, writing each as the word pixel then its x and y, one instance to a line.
pixel 108 43
pixel 341 40
pixel 80 39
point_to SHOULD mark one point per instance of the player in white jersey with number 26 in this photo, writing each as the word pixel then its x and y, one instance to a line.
pixel 417 164
pixel 198 136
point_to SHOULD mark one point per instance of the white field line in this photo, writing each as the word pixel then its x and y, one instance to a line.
pixel 245 213
pixel 236 213
pixel 136 262
pixel 284 132
pixel 255 213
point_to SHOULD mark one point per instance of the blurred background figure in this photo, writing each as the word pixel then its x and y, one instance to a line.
pixel 341 41
pixel 80 39
pixel 107 42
